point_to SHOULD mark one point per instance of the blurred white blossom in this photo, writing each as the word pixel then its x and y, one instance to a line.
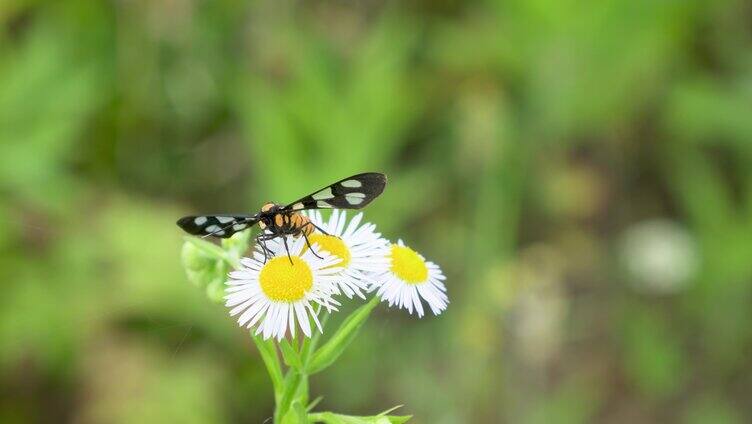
pixel 659 255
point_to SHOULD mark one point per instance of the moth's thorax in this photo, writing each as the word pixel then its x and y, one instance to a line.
pixel 266 214
pixel 270 207
pixel 274 218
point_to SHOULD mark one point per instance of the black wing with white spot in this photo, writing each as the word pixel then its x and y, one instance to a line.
pixel 350 193
pixel 222 226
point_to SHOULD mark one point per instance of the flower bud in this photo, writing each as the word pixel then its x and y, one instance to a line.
pixel 194 259
pixel 215 290
pixel 200 266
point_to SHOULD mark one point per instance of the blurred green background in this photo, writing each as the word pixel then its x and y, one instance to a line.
pixel 582 170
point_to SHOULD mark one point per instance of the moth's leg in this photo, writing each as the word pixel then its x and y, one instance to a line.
pixel 284 240
pixel 308 243
pixel 261 240
pixel 318 228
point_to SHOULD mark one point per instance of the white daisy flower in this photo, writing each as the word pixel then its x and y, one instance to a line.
pixel 411 278
pixel 362 251
pixel 278 293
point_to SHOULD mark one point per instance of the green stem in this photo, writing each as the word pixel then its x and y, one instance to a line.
pixel 269 355
pixel 295 384
pixel 309 345
pixel 302 394
pixel 291 385
pixel 293 388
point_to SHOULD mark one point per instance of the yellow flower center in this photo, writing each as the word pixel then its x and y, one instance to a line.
pixel 407 265
pixel 333 245
pixel 282 281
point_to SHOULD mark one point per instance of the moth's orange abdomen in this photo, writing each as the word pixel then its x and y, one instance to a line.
pixel 301 223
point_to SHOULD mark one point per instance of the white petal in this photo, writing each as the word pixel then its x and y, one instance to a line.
pixel 341 223
pixel 313 315
pixel 264 310
pixel 291 320
pixel 353 225
pixel 305 325
pixel 416 300
pixel 332 224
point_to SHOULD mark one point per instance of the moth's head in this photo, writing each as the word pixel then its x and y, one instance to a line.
pixel 268 210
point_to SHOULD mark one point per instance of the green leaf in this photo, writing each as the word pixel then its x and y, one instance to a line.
pixel 314 403
pixel 291 357
pixel 398 419
pixel 330 351
pixel 269 355
pixel 392 409
pixel 332 418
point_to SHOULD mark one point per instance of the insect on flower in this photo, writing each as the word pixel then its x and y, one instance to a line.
pixel 279 220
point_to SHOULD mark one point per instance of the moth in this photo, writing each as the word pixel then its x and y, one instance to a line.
pixel 277 220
